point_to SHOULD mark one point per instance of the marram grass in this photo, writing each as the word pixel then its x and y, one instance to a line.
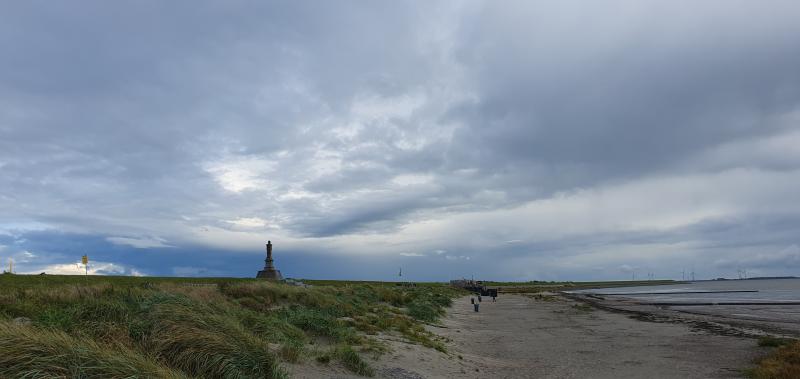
pixel 28 352
pixel 209 345
pixel 123 327
pixel 781 363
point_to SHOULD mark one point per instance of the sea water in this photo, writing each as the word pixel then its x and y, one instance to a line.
pixel 767 291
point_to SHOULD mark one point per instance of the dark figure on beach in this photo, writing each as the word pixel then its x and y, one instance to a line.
pixel 494 298
pixel 472 300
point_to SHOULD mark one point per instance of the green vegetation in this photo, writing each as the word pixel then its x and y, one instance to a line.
pixel 122 327
pixel 770 341
pixel 541 297
pixel 583 307
pixel 353 361
pixel 782 363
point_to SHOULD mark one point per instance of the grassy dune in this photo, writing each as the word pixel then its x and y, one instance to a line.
pixel 122 327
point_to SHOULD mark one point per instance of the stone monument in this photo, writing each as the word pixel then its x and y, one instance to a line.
pixel 269 272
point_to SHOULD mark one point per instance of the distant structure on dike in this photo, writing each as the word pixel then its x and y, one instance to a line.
pixel 475 286
pixel 269 272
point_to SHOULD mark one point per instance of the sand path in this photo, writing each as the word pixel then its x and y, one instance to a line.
pixel 521 337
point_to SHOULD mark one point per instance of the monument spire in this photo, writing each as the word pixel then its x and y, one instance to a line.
pixel 269 265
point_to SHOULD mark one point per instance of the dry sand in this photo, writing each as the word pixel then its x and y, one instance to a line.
pixel 524 337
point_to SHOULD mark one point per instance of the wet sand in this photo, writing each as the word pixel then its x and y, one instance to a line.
pixel 525 337
pixel 746 320
pixel 764 305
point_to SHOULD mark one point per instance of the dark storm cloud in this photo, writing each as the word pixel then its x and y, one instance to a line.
pixel 404 128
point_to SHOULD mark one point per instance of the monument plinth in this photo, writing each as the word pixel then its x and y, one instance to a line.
pixel 269 272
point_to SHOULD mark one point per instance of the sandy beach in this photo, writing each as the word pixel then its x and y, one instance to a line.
pixel 522 337
pixel 555 337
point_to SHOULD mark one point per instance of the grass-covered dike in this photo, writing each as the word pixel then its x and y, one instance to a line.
pixel 123 327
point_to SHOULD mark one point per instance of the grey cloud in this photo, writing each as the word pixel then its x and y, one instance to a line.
pixel 613 93
pixel 146 120
pixel 770 260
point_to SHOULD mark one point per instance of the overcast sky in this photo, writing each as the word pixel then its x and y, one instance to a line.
pixel 525 140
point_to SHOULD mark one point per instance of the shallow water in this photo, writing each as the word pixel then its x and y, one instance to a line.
pixel 769 290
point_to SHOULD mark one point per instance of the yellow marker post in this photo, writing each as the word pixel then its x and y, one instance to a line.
pixel 85 261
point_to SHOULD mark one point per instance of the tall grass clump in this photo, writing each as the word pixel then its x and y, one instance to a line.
pixel 271 327
pixel 201 343
pixel 353 362
pixel 28 352
pixel 782 363
pixel 318 322
pixel 263 296
pixel 424 311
